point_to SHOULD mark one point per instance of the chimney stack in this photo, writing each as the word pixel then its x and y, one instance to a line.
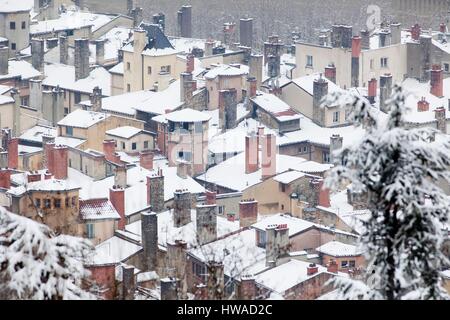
pixel 365 39
pixel 117 198
pixel 81 59
pixel 269 156
pixel 372 90
pixel 215 280
pixel 423 105
pixel 277 243
pixel 109 150
pixel 149 238
pixel 63 50
pixel 182 208
pixel 312 269
pixel 439 114
pixel 209 45
pixel 137 15
pixel 383 38
pixel 385 91
pixel 356 53
pixel 336 143
pixel 51 43
pixel 252 84
pixel 206 223
pixel 120 176
pixel 396 33
pixel 33 176
pixel 160 19
pixel 4 61
pixel 5 178
pixel 96 99
pixel 37 54
pixel 256 68
pixel 322 194
pixel 227 109
pixel 48 143
pixel 146 159
pixel 251 154
pixel 415 32
pixel 169 288
pixel 437 81
pixel 60 164
pixel 330 72
pixel 13 153
pixel 332 266
pixel 100 52
pixel 184 79
pixel 248 212
pixel 183 169
pixel 155 191
pixel 190 63
pixel 320 91
pixel 211 197
pixel 273 66
pixel 185 21
pixel 247 288
pixel 246 32
pixel 128 283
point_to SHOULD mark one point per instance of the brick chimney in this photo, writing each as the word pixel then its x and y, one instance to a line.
pixel 252 87
pixel 206 217
pixel 5 178
pixel 211 197
pixel 269 156
pixel 13 153
pixel 415 32
pixel 155 191
pixel 117 198
pixel 332 266
pixel 322 195
pixel 149 238
pixel 423 105
pixel 60 162
pixel 312 269
pixel 190 63
pixel 437 81
pixel 109 149
pixel 247 288
pixel 251 154
pixel 146 159
pixel 356 53
pixel 47 175
pixel 128 282
pixel 33 176
pixel 330 72
pixel 277 243
pixel 356 46
pixel 248 212
pixel 372 90
pixel 48 154
pixel 120 176
pixel 81 59
pixel 181 208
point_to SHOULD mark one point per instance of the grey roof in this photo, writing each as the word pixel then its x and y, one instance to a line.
pixel 156 38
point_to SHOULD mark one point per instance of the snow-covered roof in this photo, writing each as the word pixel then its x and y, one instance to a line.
pixel 98 209
pixel 159 52
pixel 295 225
pixel 113 251
pixel 287 275
pixel 34 134
pixel 64 76
pixel 231 172
pixel 187 44
pixel 124 132
pixel 6 99
pixel 49 185
pixel 82 119
pixel 288 176
pixel 238 252
pixel 9 6
pixel 167 233
pixel 20 68
pixel 147 101
pixel 415 91
pixel 339 249
pixel 307 83
pixel 226 70
pixel 71 19
pixel 312 167
pixel 187 115
pixel 275 106
pixel 117 69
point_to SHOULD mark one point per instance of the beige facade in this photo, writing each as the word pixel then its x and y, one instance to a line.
pixel 222 83
pixel 15 27
pixel 97 132
pixel 117 81
pixel 28 117
pixel 103 229
pixel 140 142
